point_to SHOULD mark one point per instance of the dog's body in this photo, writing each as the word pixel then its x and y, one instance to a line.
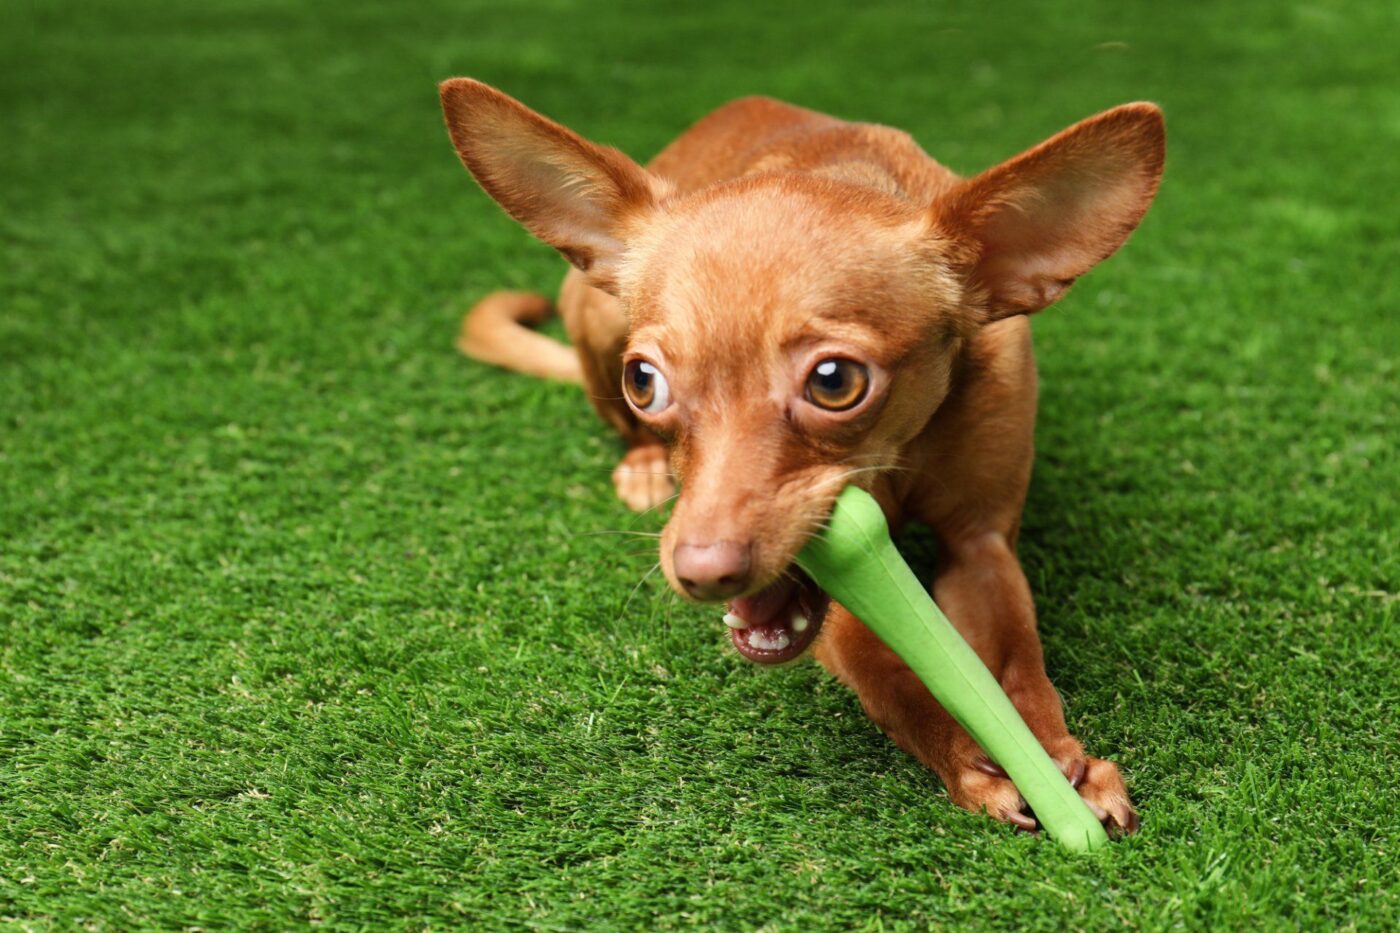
pixel 791 302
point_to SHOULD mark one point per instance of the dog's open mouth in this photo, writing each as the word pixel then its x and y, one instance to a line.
pixel 780 621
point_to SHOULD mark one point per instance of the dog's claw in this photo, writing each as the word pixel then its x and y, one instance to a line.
pixel 1131 824
pixel 1075 774
pixel 987 766
pixel 1024 822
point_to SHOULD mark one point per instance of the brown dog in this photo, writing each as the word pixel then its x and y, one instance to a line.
pixel 782 303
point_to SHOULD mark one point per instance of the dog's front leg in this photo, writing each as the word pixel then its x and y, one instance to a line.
pixel 899 703
pixel 981 588
pixel 597 327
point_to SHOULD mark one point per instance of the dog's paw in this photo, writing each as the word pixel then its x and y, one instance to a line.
pixel 643 478
pixel 984 788
pixel 1098 782
pixel 1103 790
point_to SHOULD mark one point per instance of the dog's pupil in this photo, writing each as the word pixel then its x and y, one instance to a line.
pixel 837 384
pixel 642 376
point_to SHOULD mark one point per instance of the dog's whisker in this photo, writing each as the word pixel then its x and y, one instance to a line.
pixel 846 476
pixel 671 601
pixel 645 512
pixel 613 469
pixel 645 577
pixel 620 531
pixel 882 468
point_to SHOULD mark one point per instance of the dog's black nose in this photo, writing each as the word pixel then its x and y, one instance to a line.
pixel 716 570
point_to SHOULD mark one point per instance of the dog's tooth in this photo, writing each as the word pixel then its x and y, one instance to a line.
pixel 733 621
pixel 799 621
pixel 757 639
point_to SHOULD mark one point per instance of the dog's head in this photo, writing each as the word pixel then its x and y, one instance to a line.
pixel 790 333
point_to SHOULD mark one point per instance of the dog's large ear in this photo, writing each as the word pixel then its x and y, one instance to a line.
pixel 576 196
pixel 1044 218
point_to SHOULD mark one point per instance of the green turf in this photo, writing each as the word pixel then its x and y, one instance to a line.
pixel 305 618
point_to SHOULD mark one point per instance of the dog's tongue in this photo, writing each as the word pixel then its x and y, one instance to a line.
pixel 763 607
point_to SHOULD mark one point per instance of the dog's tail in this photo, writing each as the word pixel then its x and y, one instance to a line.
pixel 495 332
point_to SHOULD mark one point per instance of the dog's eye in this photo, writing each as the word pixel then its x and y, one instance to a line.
pixel 837 384
pixel 646 387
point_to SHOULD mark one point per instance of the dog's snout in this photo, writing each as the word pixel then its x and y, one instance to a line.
pixel 715 570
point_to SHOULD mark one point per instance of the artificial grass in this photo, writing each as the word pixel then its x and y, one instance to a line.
pixel 304 618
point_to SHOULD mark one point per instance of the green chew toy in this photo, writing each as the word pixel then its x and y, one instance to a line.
pixel 855 561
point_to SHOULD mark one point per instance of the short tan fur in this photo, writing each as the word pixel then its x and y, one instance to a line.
pixel 765 269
